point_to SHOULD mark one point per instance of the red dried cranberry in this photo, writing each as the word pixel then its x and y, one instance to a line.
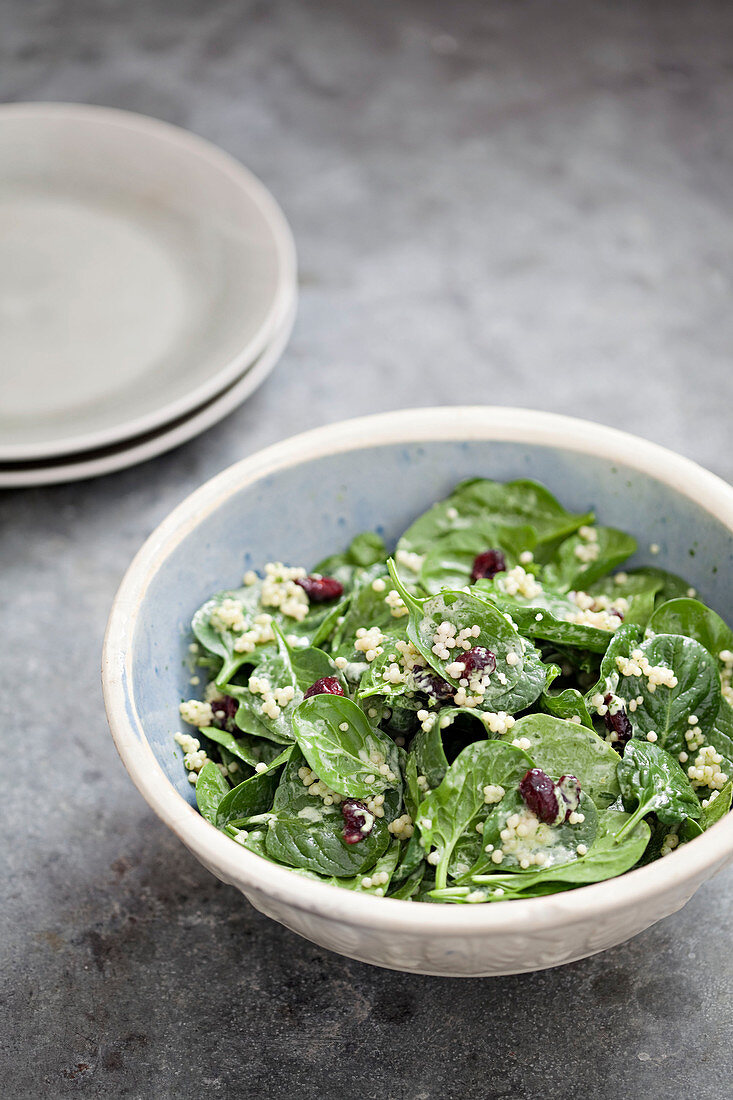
pixel 619 725
pixel 478 659
pixel 320 589
pixel 358 820
pixel 541 796
pixel 224 710
pixel 569 789
pixel 327 685
pixel 488 564
pixel 432 684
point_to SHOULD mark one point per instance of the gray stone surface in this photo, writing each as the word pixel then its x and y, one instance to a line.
pixel 521 203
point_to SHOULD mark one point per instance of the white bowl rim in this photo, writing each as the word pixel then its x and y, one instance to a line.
pixel 246 870
pixel 283 298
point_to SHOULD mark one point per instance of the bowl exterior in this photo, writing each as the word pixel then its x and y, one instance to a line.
pixel 307 496
pixel 459 955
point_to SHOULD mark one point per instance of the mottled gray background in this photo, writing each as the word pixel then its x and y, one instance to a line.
pixel 512 202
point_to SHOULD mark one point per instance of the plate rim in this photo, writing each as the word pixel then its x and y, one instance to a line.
pixel 283 299
pixel 166 439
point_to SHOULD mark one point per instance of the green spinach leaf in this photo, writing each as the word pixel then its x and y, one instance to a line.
pixel 695 620
pixel 252 797
pixel 455 806
pixel 211 788
pixel 616 849
pixel 664 710
pixel 652 782
pixel 566 748
pixel 347 753
pixel 568 705
pixel 574 567
pixel 512 686
pixel 719 807
pixel 494 504
pixel 303 831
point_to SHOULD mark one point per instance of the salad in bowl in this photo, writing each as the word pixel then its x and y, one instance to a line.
pixel 493 709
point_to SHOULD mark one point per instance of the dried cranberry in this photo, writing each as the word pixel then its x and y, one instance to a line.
pixel 488 564
pixel 224 710
pixel 618 724
pixel 358 820
pixel 541 796
pixel 327 685
pixel 478 659
pixel 551 802
pixel 432 684
pixel 320 589
pixel 569 789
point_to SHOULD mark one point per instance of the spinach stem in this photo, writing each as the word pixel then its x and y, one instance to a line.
pixel 638 814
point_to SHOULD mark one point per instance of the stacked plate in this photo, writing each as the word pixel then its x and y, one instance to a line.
pixel 147 287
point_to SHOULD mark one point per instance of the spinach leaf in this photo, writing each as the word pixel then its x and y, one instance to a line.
pixel 664 710
pixel 347 753
pixel 221 641
pixel 695 620
pixel 211 787
pixel 412 792
pixel 626 638
pixel 719 807
pixel 653 782
pixel 428 753
pixel 454 807
pixel 413 855
pixel 568 569
pixel 617 847
pixel 720 737
pixel 449 564
pixel 249 749
pixel 568 705
pixel 364 550
pixel 367 608
pixel 303 831
pixel 362 884
pixel 375 679
pixel 537 676
pixel 637 589
pixel 557 844
pixel 510 686
pixel 409 886
pixel 510 504
pixel 252 797
pixel 566 748
pixel 547 615
pixel 304 665
pixel 670 585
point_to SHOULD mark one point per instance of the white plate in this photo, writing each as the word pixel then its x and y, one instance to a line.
pixel 141 271
pixel 106 461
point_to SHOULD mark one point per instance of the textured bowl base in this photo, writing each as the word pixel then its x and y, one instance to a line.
pixel 466 957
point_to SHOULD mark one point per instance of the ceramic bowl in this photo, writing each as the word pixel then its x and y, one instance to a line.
pixel 306 497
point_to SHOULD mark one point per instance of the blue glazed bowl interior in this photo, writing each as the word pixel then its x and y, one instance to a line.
pixel 302 513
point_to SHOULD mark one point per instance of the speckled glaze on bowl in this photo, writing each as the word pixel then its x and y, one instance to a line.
pixel 305 497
